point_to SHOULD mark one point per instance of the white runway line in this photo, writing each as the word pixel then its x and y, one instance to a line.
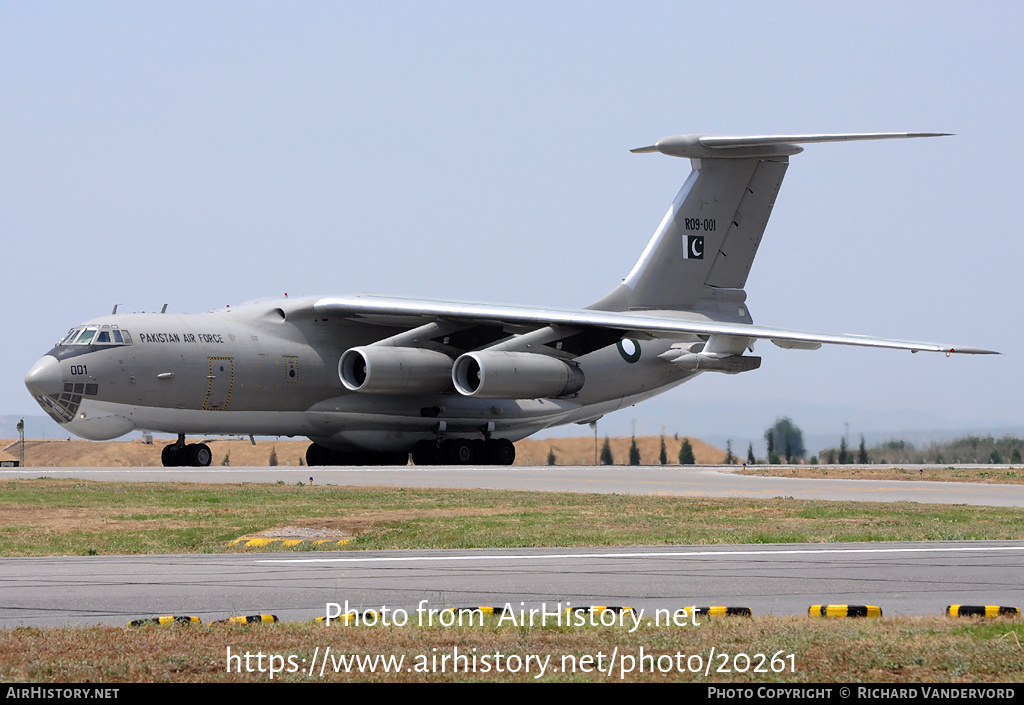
pixel 657 554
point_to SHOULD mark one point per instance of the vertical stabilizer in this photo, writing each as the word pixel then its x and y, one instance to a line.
pixel 709 237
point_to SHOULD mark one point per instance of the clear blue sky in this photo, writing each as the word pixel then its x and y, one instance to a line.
pixel 200 154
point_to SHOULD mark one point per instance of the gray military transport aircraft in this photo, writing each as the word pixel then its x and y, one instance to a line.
pixel 370 379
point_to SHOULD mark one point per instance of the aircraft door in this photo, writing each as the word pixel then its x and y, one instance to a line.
pixel 222 380
pixel 291 369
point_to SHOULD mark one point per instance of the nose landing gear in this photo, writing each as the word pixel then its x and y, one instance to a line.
pixel 178 454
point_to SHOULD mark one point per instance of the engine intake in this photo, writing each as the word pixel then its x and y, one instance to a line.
pixel 515 375
pixel 387 370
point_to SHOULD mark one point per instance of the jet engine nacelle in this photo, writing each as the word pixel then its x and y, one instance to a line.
pixel 386 370
pixel 515 375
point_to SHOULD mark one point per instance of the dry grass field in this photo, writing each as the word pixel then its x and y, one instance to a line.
pixel 753 651
pixel 240 452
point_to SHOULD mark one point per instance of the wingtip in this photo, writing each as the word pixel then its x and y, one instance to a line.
pixel 970 351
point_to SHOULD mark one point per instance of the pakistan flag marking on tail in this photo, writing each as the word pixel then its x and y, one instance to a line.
pixel 693 248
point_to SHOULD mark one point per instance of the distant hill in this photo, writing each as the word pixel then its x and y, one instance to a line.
pixel 43 453
pixel 579 450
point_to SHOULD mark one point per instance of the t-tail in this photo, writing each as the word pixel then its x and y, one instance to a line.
pixel 700 255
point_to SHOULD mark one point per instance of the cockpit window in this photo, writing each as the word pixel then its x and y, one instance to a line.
pixel 86 337
pixel 97 335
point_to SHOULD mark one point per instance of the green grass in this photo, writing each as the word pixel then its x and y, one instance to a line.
pixel 53 517
pixel 62 517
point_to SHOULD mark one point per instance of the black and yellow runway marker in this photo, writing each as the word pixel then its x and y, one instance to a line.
pixel 844 611
pixel 169 619
pixel 248 619
pixel 721 611
pixel 981 611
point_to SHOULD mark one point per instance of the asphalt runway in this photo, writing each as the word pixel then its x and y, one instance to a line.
pixel 674 481
pixel 902 578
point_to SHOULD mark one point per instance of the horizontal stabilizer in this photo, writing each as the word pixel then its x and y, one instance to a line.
pixel 711 147
pixel 728 142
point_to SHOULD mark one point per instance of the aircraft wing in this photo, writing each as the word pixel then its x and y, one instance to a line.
pixel 399 311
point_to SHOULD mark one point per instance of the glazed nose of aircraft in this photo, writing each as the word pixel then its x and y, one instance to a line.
pixel 45 377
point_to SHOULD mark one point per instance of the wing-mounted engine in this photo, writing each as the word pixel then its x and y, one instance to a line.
pixel 539 364
pixel 500 374
pixel 378 369
pixel 493 361
pixel 416 361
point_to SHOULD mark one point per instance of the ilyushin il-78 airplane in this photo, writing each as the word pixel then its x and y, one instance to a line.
pixel 370 379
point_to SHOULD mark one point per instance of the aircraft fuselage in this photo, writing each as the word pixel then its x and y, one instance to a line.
pixel 272 369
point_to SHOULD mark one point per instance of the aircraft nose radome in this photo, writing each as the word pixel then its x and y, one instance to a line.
pixel 45 377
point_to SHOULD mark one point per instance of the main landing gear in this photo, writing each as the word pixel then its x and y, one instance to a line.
pixel 178 454
pixel 316 455
pixel 454 451
pixel 464 451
